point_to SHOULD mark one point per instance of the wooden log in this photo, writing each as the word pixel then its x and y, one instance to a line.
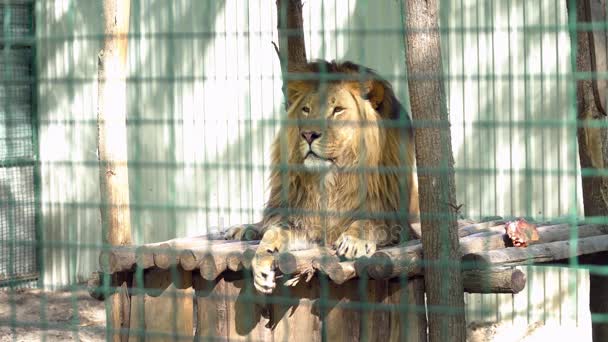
pixel 494 280
pixel 398 261
pixel 163 253
pixel 295 262
pixel 144 257
pixel 212 266
pixel 234 261
pixel 561 232
pixel 392 262
pixel 167 254
pixel 94 286
pixel 496 240
pixel 168 305
pixel 191 258
pixel 493 226
pixel 348 272
pixel 483 241
pixel 338 272
pixel 545 252
pixel 117 259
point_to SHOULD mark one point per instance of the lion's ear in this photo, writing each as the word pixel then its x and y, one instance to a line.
pixel 373 91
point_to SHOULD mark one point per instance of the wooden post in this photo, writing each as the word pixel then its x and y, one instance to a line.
pixel 436 187
pixel 592 140
pixel 112 147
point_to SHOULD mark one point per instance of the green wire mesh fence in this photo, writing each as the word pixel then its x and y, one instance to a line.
pixel 204 105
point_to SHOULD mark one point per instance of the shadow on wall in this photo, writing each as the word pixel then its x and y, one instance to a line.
pixel 369 33
pixel 175 177
pixel 196 150
pixel 163 63
pixel 506 110
pixel 67 136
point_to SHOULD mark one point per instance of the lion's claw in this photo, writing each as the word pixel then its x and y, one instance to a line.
pixel 263 273
pixel 242 232
pixel 351 247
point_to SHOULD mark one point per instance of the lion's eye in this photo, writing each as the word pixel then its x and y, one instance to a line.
pixel 305 110
pixel 338 110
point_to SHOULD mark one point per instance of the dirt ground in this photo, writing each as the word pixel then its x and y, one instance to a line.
pixel 23 315
pixel 32 308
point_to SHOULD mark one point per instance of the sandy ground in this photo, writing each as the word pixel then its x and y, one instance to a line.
pixel 24 312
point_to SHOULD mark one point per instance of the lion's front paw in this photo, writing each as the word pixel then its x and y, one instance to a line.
pixel 352 247
pixel 242 232
pixel 263 273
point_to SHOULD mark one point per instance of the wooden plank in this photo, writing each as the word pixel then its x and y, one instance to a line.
pixel 211 309
pixel 168 305
pixel 408 317
pixel 375 321
pixel 295 318
pixel 340 322
pixel 229 309
pixel 118 311
pixel 137 322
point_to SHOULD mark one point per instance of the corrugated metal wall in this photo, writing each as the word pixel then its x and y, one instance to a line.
pixel 205 82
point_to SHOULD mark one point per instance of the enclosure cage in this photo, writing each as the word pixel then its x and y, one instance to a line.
pixel 202 94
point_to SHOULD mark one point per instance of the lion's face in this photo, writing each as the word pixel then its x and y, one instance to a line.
pixel 335 127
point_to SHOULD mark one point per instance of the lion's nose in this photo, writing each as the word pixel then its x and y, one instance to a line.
pixel 310 136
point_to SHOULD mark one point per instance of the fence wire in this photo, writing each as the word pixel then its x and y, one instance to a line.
pixel 204 105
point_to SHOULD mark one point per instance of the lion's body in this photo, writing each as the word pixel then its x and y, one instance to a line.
pixel 372 177
pixel 342 169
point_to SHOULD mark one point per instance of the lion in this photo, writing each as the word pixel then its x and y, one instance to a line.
pixel 342 169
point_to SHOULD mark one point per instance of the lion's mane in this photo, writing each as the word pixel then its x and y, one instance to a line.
pixel 376 181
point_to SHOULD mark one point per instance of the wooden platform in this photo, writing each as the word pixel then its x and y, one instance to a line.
pixel 201 286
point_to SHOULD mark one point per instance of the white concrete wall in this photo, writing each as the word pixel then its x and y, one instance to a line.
pixel 205 86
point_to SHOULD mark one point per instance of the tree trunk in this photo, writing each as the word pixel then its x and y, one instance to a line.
pixel 112 128
pixel 112 146
pixel 593 151
pixel 445 297
pixel 291 33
